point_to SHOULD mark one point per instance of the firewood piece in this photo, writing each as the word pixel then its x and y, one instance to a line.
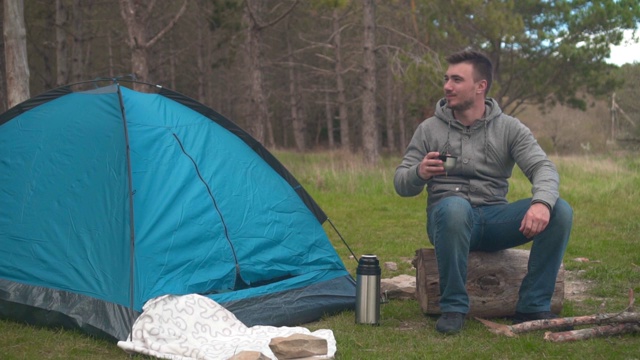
pixel 588 333
pixel 599 319
pixel 493 281
pixel 498 329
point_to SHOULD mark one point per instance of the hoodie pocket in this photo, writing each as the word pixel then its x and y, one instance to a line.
pixel 494 159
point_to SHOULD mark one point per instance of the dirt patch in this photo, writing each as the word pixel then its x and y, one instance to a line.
pixel 575 287
pixel 410 325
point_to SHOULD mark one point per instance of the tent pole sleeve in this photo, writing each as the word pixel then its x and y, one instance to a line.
pixel 131 212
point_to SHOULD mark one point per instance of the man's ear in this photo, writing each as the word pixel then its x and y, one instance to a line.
pixel 481 87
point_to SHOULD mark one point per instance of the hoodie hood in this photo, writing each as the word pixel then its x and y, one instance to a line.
pixel 445 114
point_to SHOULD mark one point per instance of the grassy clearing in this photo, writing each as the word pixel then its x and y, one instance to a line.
pixel 364 207
pixel 361 203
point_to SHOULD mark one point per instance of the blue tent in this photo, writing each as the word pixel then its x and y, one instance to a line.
pixel 111 197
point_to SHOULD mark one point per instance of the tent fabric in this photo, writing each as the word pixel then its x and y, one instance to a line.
pixel 115 197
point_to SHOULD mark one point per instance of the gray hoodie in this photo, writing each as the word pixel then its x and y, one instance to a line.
pixel 487 152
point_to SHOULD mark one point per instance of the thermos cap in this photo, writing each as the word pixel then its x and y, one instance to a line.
pixel 368 265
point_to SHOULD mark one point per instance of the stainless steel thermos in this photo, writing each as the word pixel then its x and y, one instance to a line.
pixel 368 290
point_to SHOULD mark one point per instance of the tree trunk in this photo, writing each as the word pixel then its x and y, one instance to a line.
pixel 77 58
pixel 299 126
pixel 200 62
pixel 15 52
pixel 345 140
pixel 329 120
pixel 390 118
pixel 3 84
pixel 62 66
pixel 136 15
pixel 254 11
pixel 136 18
pixel 493 281
pixel 203 60
pixel 172 63
pixel 402 127
pixel 110 54
pixel 370 141
pixel 259 111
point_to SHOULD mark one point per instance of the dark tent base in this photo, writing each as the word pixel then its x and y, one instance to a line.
pixel 47 307
pixel 41 306
pixel 303 305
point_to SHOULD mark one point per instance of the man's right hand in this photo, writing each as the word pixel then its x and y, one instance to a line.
pixel 430 166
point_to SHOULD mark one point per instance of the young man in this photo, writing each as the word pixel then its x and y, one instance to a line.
pixel 467 208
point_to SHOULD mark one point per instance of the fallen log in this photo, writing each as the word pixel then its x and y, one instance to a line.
pixel 597 331
pixel 493 282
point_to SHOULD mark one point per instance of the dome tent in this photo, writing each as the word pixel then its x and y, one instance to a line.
pixel 112 197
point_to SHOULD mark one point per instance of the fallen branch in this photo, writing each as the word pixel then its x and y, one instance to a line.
pixel 624 317
pixel 599 319
pixel 598 331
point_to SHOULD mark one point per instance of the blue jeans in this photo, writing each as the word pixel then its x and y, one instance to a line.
pixel 455 228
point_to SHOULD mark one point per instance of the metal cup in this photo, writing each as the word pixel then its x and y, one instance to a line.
pixel 448 161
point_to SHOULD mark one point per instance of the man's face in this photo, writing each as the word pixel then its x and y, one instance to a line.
pixel 460 89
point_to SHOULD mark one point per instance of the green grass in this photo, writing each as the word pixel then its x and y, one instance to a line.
pixel 361 203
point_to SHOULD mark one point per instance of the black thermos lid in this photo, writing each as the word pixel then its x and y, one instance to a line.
pixel 368 265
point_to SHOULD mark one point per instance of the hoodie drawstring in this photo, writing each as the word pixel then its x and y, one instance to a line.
pixel 447 145
pixel 486 142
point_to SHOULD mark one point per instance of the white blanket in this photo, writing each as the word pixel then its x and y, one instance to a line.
pixel 193 327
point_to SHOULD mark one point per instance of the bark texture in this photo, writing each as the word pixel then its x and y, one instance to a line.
pixel 493 281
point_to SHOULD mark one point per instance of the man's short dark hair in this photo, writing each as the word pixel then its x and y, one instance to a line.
pixel 483 69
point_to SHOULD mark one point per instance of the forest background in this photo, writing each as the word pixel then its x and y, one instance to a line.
pixel 339 74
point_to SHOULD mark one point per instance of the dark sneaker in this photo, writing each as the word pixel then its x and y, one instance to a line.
pixel 543 315
pixel 450 322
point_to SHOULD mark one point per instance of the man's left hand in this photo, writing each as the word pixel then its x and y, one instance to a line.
pixel 535 220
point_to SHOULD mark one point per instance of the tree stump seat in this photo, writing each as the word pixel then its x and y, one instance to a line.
pixel 493 281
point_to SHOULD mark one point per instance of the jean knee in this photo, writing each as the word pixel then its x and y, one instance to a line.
pixel 451 213
pixel 454 208
pixel 562 213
